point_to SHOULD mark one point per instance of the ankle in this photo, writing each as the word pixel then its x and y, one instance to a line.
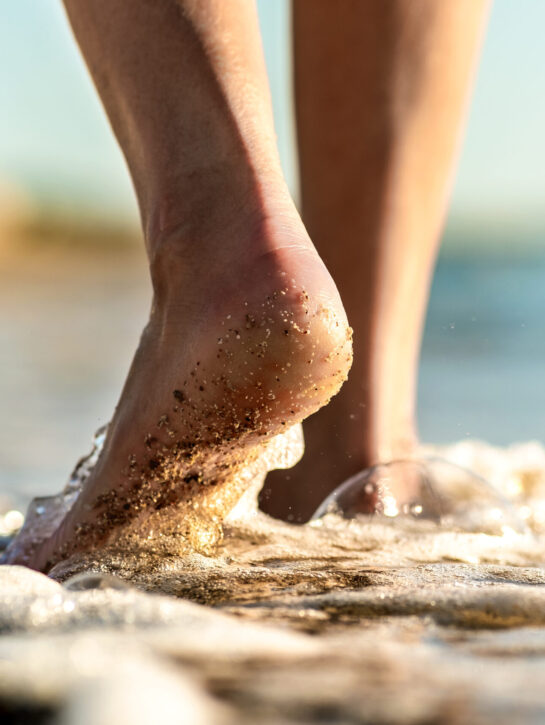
pixel 214 198
pixel 399 443
pixel 230 246
pixel 347 434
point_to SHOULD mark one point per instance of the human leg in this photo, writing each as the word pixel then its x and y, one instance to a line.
pixel 247 334
pixel 381 88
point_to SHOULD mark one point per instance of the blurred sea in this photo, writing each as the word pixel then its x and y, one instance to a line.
pixel 70 319
pixel 482 366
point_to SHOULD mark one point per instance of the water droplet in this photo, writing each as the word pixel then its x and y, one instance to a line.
pixel 13 521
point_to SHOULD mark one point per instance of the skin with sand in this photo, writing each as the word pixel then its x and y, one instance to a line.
pixel 264 371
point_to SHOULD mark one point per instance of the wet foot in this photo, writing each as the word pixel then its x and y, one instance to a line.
pixel 242 342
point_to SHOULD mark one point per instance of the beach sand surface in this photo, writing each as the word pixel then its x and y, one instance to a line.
pixel 361 621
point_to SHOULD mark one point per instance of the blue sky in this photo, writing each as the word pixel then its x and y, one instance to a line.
pixel 55 142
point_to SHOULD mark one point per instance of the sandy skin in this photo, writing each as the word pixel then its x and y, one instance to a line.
pixel 201 403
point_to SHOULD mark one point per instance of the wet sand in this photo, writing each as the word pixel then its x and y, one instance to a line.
pixel 371 621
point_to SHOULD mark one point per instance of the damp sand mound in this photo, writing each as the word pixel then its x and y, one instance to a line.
pixel 360 621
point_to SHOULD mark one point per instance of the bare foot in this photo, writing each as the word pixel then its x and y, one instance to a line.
pixel 242 342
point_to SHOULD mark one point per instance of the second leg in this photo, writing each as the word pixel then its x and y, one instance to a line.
pixel 381 90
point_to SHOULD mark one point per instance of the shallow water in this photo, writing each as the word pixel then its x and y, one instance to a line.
pixel 383 620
